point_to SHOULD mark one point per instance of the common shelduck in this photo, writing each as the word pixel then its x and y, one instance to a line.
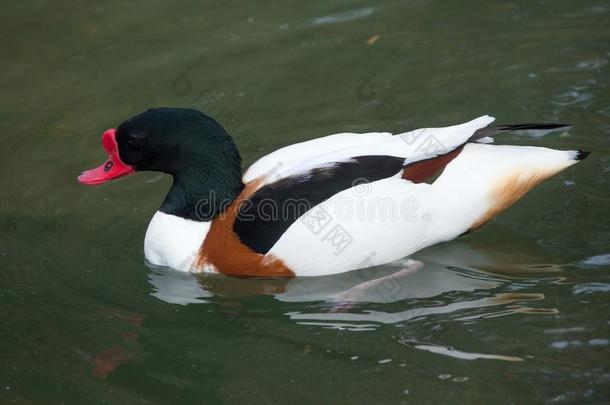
pixel 324 206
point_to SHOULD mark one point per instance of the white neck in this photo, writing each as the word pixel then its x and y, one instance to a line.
pixel 174 241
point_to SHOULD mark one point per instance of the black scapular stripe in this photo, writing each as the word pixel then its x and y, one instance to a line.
pixel 266 215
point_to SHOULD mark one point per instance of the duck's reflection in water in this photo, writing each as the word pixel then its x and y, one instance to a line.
pixel 375 285
pixel 354 300
pixel 176 287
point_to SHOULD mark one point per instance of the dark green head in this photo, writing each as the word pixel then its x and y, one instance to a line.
pixel 187 144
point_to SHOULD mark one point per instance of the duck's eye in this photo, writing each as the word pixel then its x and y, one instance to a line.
pixel 136 138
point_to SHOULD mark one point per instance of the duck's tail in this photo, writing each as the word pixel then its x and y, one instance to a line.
pixel 489 131
pixel 484 180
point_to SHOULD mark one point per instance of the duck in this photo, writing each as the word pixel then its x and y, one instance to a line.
pixel 324 206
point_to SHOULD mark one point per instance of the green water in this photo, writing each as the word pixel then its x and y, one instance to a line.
pixel 515 313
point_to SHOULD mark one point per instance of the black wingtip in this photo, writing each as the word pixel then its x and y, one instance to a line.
pixel 496 129
pixel 534 126
pixel 556 125
pixel 581 154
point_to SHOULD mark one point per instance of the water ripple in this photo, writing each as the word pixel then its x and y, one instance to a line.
pixel 343 17
pixel 590 288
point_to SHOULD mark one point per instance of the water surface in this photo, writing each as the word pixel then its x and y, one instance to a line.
pixel 515 313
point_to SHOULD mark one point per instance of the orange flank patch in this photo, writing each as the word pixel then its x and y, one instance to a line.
pixel 223 250
pixel 421 171
pixel 509 190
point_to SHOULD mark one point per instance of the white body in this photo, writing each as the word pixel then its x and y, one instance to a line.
pixel 173 241
pixel 389 219
pixel 382 221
